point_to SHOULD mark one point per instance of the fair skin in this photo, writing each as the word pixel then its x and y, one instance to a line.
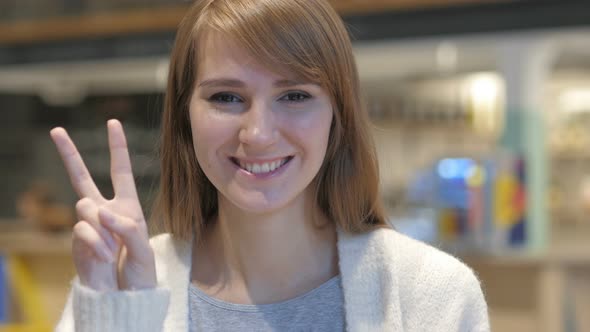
pixel 110 244
pixel 260 138
pixel 264 247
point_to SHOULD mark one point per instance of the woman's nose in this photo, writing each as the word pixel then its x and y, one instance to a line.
pixel 258 128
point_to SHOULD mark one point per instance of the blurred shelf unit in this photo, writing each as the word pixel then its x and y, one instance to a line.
pixel 27 9
pixel 567 113
pixel 89 26
pixel 30 21
pixel 469 101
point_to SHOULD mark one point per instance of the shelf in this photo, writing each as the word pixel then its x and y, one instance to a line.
pixel 167 19
pixel 573 253
pixel 347 7
pixel 19 239
pixel 92 26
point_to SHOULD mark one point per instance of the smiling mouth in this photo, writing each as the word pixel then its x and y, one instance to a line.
pixel 261 168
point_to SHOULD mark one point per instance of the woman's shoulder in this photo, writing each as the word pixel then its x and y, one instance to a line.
pixel 411 252
pixel 442 277
pixel 429 280
pixel 414 261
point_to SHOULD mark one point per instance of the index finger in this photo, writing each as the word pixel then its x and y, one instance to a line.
pixel 79 175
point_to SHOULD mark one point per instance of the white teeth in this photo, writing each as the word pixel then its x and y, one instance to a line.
pixel 262 168
pixel 256 169
pixel 265 168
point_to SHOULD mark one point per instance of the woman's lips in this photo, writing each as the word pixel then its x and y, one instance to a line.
pixel 261 167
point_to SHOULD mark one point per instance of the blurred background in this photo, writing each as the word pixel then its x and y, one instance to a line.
pixel 481 114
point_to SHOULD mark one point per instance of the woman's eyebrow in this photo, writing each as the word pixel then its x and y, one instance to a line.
pixel 289 83
pixel 230 82
pixel 226 82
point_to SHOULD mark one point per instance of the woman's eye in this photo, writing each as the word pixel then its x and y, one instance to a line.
pixel 296 97
pixel 224 98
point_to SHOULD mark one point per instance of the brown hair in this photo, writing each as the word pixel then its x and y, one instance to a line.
pixel 303 37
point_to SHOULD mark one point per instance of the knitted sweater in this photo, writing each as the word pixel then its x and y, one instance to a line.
pixel 390 283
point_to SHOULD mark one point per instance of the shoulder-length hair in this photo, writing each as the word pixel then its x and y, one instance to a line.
pixel 306 38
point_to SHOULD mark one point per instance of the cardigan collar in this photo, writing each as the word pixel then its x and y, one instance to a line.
pixel 368 282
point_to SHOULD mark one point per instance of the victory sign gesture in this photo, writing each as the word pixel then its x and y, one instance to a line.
pixel 110 244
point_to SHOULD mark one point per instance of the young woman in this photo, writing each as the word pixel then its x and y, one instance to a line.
pixel 269 194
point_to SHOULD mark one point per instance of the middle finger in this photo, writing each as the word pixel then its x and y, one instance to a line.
pixel 121 170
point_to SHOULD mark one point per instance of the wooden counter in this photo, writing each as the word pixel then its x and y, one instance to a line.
pixel 16 239
pixel 525 291
pixel 537 292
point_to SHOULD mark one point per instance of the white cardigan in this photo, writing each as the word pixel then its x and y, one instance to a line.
pixel 390 283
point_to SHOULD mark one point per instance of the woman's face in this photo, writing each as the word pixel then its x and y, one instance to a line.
pixel 259 137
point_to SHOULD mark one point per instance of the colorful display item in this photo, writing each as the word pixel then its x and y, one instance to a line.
pixel 479 204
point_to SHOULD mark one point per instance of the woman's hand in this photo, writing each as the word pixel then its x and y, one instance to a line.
pixel 110 246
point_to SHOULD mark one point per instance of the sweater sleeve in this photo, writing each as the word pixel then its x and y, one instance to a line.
pixel 87 310
pixel 438 292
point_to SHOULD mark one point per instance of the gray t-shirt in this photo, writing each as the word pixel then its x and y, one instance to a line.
pixel 321 309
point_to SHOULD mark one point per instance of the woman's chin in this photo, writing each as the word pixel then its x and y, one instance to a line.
pixel 258 203
pixel 259 206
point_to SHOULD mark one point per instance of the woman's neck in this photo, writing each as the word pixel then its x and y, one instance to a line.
pixel 252 258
